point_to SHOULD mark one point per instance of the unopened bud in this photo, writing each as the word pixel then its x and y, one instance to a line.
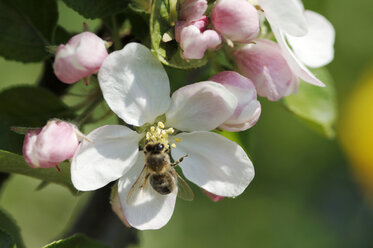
pixel 194 42
pixel 48 146
pixel 80 57
pixel 236 20
pixel 248 107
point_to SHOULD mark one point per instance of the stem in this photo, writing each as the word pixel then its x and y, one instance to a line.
pixel 88 111
pixel 115 34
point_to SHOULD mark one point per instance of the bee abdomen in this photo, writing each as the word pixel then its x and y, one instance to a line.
pixel 162 183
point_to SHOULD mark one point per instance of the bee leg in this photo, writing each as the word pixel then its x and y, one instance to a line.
pixel 179 160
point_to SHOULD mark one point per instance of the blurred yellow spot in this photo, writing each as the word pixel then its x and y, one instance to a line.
pixel 356 130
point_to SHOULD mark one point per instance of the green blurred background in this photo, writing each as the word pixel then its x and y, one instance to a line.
pixel 306 193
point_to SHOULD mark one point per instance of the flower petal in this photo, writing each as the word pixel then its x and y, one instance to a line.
pixel 298 68
pixel 316 48
pixel 200 106
pixel 215 163
pixel 265 64
pixel 110 154
pixel 134 84
pixel 151 210
pixel 286 15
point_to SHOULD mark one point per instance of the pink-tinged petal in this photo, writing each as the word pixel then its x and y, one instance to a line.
pixel 264 63
pixel 47 147
pixel 315 49
pixel 285 15
pixel 200 24
pixel 212 196
pixel 57 142
pixel 215 163
pixel 194 43
pixel 192 10
pixel 236 20
pixel 150 210
pixel 134 84
pixel 248 108
pixel 79 58
pixel 200 106
pixel 109 154
pixel 298 68
pixel 179 26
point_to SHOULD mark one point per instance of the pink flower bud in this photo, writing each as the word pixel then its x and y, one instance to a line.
pixel 236 20
pixel 48 146
pixel 192 10
pixel 200 24
pixel 213 197
pixel 195 43
pixel 265 65
pixel 248 108
pixel 80 57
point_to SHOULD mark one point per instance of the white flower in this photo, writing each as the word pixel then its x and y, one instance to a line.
pixel 310 35
pixel 136 88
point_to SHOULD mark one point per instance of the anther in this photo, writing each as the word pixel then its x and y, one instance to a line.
pixel 160 124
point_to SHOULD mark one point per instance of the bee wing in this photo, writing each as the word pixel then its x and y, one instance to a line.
pixel 139 185
pixel 184 190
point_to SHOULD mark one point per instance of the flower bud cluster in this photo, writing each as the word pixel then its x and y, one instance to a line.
pixel 227 101
pixel 273 67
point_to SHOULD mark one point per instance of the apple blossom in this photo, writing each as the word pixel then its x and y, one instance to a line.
pixel 248 108
pixel 80 57
pixel 48 146
pixel 310 35
pixel 236 20
pixel 263 62
pixel 136 88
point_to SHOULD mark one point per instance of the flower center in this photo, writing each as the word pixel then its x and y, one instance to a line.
pixel 159 134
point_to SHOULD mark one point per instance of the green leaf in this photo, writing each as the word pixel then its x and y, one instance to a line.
pixel 6 240
pixel 97 8
pixel 8 227
pixel 26 28
pixel 169 53
pixel 76 241
pixel 316 105
pixel 27 107
pixel 61 36
pixel 13 163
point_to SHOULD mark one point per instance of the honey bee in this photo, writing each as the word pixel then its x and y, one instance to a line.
pixel 160 173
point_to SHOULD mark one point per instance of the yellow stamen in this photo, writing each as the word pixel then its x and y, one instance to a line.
pixel 158 134
pixel 160 125
pixel 177 140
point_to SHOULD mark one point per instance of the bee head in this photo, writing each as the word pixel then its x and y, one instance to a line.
pixel 154 148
